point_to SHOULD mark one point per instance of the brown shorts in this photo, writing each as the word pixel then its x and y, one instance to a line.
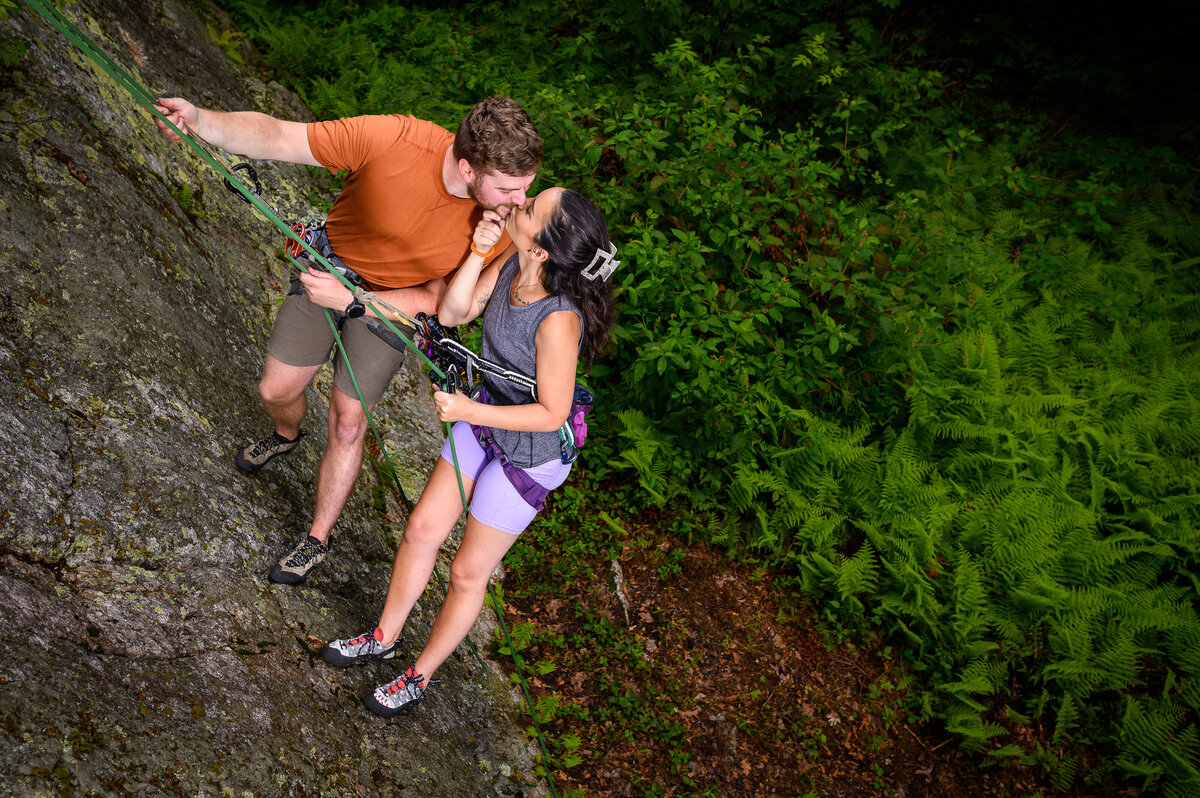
pixel 302 337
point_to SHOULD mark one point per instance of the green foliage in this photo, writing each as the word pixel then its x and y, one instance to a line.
pixel 188 200
pixel 11 52
pixel 935 361
pixel 229 41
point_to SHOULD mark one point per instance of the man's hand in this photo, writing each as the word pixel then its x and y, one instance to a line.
pixel 246 133
pixel 326 290
pixel 452 406
pixel 182 114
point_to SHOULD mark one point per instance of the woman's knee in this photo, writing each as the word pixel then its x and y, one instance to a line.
pixel 425 532
pixel 469 576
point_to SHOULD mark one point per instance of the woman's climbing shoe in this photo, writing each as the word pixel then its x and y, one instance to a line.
pixel 393 698
pixel 363 648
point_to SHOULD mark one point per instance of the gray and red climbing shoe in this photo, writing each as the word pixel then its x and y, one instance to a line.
pixel 356 650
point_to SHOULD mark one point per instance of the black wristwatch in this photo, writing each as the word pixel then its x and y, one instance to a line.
pixel 355 309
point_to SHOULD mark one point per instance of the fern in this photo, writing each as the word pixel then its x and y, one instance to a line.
pixel 857 574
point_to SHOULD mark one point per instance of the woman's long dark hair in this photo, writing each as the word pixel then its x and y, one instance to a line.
pixel 572 237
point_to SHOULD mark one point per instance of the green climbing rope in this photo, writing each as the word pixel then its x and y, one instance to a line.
pixel 56 19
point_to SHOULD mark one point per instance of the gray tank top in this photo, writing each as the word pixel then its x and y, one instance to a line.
pixel 510 339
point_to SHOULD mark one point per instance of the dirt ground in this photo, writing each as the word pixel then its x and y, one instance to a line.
pixel 763 705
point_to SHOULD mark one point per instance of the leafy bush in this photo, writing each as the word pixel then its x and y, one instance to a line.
pixel 935 364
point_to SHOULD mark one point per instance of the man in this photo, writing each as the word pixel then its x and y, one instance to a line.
pixel 404 220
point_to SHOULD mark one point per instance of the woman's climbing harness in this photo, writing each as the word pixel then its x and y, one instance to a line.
pixel 463 367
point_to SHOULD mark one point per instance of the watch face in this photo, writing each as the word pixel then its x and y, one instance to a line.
pixel 356 309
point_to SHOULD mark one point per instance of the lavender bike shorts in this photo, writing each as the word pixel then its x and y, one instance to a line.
pixel 496 502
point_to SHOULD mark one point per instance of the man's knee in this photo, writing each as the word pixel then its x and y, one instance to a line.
pixel 347 421
pixel 283 384
pixel 276 393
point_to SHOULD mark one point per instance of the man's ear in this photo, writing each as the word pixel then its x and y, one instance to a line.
pixel 466 170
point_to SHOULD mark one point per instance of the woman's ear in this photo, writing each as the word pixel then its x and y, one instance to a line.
pixel 539 254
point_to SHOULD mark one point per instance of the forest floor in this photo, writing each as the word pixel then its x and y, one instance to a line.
pixel 765 704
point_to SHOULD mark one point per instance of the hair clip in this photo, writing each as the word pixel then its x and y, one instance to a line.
pixel 603 264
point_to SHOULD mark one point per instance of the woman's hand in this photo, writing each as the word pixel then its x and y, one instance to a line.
pixel 326 290
pixel 488 231
pixel 453 406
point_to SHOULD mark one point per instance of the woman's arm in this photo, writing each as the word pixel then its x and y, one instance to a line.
pixel 557 357
pixel 471 286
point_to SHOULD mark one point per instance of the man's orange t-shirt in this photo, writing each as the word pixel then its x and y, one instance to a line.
pixel 394 223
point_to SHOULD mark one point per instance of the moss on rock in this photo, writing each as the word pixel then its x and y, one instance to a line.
pixel 142 651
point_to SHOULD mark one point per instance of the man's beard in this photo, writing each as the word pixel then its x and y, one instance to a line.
pixel 504 209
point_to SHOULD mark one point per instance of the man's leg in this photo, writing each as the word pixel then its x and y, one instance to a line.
pixel 282 392
pixel 335 479
pixel 375 362
pixel 341 462
pixel 299 345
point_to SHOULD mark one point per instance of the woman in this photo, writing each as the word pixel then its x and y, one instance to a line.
pixel 548 305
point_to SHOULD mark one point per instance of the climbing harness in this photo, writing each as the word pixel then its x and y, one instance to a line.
pixel 300 241
pixel 443 347
pixel 463 368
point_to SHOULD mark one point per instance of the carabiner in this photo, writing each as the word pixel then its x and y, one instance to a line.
pixel 253 175
pixel 302 232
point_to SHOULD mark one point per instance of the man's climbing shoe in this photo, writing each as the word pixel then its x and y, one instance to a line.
pixel 363 648
pixel 256 455
pixel 295 565
pixel 393 698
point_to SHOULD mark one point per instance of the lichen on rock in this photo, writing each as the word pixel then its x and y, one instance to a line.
pixel 142 650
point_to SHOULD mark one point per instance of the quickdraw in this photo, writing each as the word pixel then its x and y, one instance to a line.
pixel 462 368
pixel 303 232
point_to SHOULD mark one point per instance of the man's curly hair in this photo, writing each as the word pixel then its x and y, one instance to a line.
pixel 497 135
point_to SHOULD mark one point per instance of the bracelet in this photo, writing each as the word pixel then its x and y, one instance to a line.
pixel 482 254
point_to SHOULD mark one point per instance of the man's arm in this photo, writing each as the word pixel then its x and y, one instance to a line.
pixel 246 133
pixel 423 298
pixel 327 291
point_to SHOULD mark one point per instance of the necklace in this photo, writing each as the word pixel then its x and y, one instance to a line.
pixel 517 297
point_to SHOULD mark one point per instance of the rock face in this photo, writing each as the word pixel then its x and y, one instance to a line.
pixel 142 650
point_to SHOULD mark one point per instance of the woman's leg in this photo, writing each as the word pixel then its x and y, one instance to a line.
pixel 481 551
pixel 439 507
